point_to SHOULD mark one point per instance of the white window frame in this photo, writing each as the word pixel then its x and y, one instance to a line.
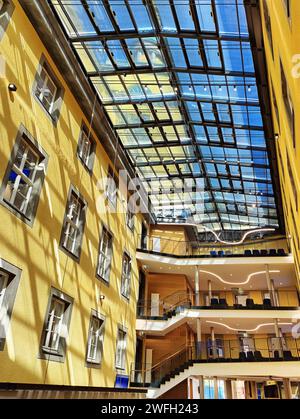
pixel 126 276
pixel 85 147
pixel 72 223
pixel 40 91
pixel 3 286
pixel 130 219
pixel 50 323
pixel 95 340
pixel 121 349
pixel 105 255
pixel 21 177
pixel 111 188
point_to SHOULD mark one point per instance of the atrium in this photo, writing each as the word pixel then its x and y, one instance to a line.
pixel 149 184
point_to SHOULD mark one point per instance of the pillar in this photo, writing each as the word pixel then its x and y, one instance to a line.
pixel 274 293
pixel 269 285
pixel 201 387
pixel 213 342
pixel 199 338
pixel 278 336
pixel 197 288
pixel 216 389
pixel 228 389
pixel 209 291
pixel 287 388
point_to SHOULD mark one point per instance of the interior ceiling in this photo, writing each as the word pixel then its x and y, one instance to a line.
pixel 177 81
pixel 226 277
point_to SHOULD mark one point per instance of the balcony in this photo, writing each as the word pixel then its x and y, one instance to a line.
pixel 265 352
pixel 260 248
pixel 177 302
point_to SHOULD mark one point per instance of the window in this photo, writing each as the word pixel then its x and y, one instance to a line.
pixel 268 25
pixel 105 255
pixel 287 6
pixel 48 90
pixel 95 340
pixel 6 10
pixel 9 282
pixel 288 103
pixel 73 227
pixel 53 343
pixel 292 181
pixel 130 219
pixel 111 187
pixel 24 177
pixel 121 349
pixel 86 148
pixel 126 274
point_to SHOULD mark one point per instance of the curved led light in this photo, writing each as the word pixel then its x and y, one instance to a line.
pixel 248 330
pixel 238 283
pixel 259 230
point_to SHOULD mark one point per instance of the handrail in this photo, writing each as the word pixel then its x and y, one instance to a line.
pixel 216 244
pixel 170 356
pixel 260 349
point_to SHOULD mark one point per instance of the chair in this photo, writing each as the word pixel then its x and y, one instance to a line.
pixel 276 355
pixel 223 302
pixel 256 252
pixel 250 303
pixel 213 253
pixel 272 252
pixel 258 356
pixel 267 302
pixel 242 356
pixel 250 356
pixel 264 252
pixel 248 252
pixel 281 252
pixel 214 302
pixel 221 253
pixel 287 355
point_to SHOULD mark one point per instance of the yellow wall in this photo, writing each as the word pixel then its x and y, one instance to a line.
pixel 36 250
pixel 286 40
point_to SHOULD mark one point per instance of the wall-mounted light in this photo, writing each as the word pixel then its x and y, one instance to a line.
pixel 276 136
pixel 12 87
pixel 101 297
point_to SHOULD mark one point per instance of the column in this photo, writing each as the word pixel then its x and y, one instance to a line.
pixel 287 388
pixel 216 389
pixel 201 387
pixel 209 291
pixel 197 287
pixel 213 342
pixel 228 389
pixel 269 285
pixel 199 338
pixel 274 293
pixel 278 336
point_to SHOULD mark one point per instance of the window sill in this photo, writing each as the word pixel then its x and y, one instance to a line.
pixel 102 279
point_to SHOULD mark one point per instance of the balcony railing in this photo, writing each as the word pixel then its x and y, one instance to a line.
pixel 177 247
pixel 174 303
pixel 258 350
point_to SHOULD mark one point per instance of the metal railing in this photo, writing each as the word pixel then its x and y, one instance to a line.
pixel 222 299
pixel 178 247
pixel 257 350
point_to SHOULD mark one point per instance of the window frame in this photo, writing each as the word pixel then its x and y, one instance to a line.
pixel 125 287
pixel 111 195
pixel 288 104
pixel 13 276
pixel 87 163
pixel 5 15
pixel 81 219
pixel 55 110
pixel 59 354
pixel 36 184
pixel 96 362
pixel 123 357
pixel 99 274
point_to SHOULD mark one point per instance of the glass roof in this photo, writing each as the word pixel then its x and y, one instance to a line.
pixel 177 81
